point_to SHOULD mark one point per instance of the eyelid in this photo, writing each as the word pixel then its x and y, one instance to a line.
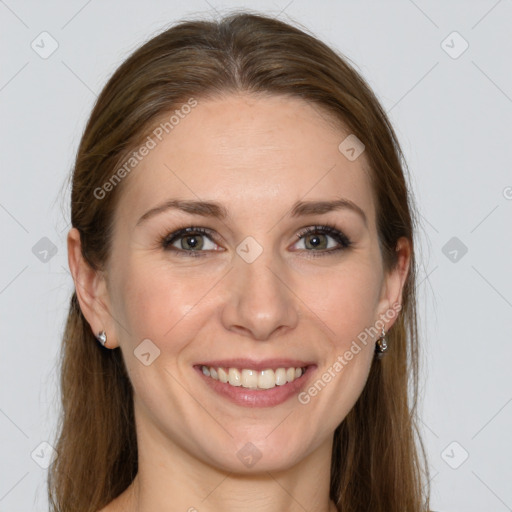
pixel 326 229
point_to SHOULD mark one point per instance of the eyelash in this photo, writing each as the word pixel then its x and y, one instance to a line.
pixel 326 229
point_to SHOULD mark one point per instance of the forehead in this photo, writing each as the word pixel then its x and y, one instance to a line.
pixel 255 154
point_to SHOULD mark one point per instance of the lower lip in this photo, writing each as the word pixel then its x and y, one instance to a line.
pixel 258 397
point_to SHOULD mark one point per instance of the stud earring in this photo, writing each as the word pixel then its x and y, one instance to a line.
pixel 381 346
pixel 102 337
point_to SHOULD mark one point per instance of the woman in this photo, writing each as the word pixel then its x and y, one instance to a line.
pixel 243 328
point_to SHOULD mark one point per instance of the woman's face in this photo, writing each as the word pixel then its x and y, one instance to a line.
pixel 247 293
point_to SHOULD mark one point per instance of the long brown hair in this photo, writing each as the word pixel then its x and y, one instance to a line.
pixel 378 458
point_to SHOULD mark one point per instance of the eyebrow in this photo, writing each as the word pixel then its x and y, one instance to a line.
pixel 216 210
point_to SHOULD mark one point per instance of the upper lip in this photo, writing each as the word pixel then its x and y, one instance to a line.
pixel 251 364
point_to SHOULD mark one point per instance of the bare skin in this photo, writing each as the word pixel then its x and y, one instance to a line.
pixel 256 156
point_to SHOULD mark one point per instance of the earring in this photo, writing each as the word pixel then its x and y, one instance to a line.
pixel 381 346
pixel 102 337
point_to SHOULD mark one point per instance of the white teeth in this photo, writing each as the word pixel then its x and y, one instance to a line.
pixel 280 376
pixel 223 376
pixel 253 379
pixel 249 379
pixel 235 379
pixel 266 379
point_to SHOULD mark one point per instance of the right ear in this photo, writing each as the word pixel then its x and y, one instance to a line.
pixel 91 289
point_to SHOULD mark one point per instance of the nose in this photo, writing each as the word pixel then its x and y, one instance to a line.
pixel 259 300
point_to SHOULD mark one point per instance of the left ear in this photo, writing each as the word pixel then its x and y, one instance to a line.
pixel 394 281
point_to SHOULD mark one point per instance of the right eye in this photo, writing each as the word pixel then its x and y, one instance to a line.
pixel 190 241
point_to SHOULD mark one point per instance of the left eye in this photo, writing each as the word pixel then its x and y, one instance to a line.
pixel 317 240
pixel 317 237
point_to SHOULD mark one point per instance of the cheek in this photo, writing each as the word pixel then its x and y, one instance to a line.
pixel 152 300
pixel 346 299
pixel 164 303
pixel 347 305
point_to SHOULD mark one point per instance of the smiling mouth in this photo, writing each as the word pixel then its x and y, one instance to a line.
pixel 254 379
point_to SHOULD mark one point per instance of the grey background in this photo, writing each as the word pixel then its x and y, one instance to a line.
pixel 453 117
